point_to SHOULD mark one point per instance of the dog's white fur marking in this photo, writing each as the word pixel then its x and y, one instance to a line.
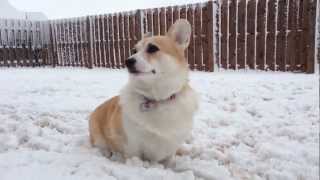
pixel 156 134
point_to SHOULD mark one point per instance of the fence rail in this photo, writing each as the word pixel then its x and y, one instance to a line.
pixel 273 35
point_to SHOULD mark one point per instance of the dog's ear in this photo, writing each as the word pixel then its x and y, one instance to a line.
pixel 180 32
pixel 147 34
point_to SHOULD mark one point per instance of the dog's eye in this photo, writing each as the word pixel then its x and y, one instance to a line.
pixel 152 48
pixel 133 51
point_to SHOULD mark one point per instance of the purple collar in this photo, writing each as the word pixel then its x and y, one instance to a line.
pixel 149 104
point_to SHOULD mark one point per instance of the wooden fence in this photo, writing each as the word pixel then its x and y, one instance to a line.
pixel 22 43
pixel 106 40
pixel 276 35
pixel 268 35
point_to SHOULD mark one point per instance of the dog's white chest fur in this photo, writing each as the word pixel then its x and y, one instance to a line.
pixel 157 133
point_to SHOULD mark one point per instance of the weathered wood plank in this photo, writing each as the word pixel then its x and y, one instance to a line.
pixel 232 34
pixel 126 36
pixel 241 39
pixel 281 35
pixel 312 6
pixel 116 40
pixel 271 36
pixel 169 17
pixel 149 21
pixel 261 34
pixel 191 48
pixel 291 52
pixel 162 17
pixel 102 41
pixel 156 21
pixel 111 42
pixel 121 40
pixel 251 34
pixel 198 42
pixel 224 59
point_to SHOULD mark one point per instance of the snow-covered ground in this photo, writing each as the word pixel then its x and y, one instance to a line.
pixel 253 125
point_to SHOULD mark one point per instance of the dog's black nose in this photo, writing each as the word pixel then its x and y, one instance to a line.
pixel 130 63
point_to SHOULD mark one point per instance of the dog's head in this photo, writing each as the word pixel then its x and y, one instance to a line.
pixel 159 60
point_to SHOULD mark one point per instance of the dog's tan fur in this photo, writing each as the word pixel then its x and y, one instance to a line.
pixel 106 125
pixel 166 45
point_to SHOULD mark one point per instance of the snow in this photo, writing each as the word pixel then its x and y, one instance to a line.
pixel 250 125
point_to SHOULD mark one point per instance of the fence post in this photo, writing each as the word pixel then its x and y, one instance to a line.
pixel 89 44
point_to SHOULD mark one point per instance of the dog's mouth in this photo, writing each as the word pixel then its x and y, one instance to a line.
pixel 138 73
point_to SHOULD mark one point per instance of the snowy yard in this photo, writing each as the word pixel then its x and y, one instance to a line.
pixel 254 125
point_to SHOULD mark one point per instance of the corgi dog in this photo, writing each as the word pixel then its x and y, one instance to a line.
pixel 153 115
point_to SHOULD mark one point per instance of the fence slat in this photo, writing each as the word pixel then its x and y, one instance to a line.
pixel 251 36
pixel 271 35
pixel 144 21
pixel 162 17
pixel 76 42
pixel 116 40
pixel 224 34
pixel 101 42
pixel 59 44
pixel 79 44
pixel 149 21
pixel 190 16
pixel 169 17
pixel 66 42
pixel 312 6
pixel 291 52
pixel 183 12
pixel 121 40
pixel 131 32
pixel 97 42
pixel 107 41
pixel 198 43
pixel 241 39
pixel 112 56
pixel 261 34
pixel 281 35
pixel 301 65
pixel 209 37
pixel 126 36
pixel 183 15
pixel 71 43
pixel 138 30
pixel 175 14
pixel 155 21
pixel 232 34
pixel 89 43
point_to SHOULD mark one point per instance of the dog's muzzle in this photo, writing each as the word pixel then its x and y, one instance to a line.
pixel 130 63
